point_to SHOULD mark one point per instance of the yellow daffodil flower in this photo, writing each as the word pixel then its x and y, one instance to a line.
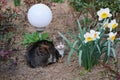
pixel 104 13
pixel 112 25
pixel 105 25
pixel 88 37
pixel 95 34
pixel 112 36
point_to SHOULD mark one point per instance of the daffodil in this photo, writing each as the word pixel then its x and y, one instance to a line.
pixel 112 25
pixel 105 25
pixel 88 37
pixel 112 36
pixel 104 13
pixel 95 34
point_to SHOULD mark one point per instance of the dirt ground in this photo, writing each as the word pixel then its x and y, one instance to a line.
pixel 63 21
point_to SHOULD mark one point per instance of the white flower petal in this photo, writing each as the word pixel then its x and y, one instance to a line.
pixel 87 34
pixel 110 15
pixel 92 31
pixel 107 10
pixel 100 18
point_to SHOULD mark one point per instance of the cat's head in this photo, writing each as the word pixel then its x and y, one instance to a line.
pixel 61 48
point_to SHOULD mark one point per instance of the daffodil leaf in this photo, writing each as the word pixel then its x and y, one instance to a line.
pixel 68 42
pixel 114 53
pixel 109 45
pixel 115 42
pixel 69 55
pixel 71 51
pixel 98 47
pixel 80 30
pixel 72 36
pixel 80 57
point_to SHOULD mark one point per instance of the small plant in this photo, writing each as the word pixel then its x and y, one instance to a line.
pixel 8 60
pixel 6 27
pixel 91 44
pixel 34 37
pixel 5 51
pixel 17 2
pixel 58 1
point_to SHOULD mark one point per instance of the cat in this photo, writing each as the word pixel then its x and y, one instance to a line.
pixel 61 48
pixel 42 53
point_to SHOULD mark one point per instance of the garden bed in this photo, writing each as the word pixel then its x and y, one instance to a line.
pixel 63 21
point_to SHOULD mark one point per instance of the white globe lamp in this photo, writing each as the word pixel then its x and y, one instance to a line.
pixel 39 16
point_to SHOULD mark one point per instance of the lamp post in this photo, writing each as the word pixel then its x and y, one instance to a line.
pixel 39 16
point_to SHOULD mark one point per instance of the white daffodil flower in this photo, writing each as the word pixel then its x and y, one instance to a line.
pixel 88 37
pixel 112 36
pixel 104 13
pixel 112 25
pixel 105 25
pixel 95 34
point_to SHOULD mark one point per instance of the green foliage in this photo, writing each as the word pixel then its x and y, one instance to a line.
pixel 6 41
pixel 17 2
pixel 113 4
pixel 5 18
pixel 78 4
pixel 81 5
pixel 90 53
pixel 7 25
pixel 6 48
pixel 34 37
pixel 58 1
pixel 6 37
pixel 92 6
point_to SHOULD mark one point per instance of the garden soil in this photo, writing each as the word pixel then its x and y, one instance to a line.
pixel 63 21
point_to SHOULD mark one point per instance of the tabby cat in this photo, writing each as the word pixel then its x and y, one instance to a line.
pixel 42 53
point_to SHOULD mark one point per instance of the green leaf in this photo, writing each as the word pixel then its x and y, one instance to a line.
pixel 57 1
pixel 5 38
pixel 98 47
pixel 104 43
pixel 68 42
pixel 109 47
pixel 10 35
pixel 80 57
pixel 116 42
pixel 72 36
pixel 80 30
pixel 71 52
pixel 69 55
pixel 30 38
pixel 45 36
pixel 114 53
pixel 17 2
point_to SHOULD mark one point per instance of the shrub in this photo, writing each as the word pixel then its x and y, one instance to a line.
pixel 7 18
pixel 91 6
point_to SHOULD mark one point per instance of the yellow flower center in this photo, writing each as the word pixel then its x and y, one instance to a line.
pixel 104 15
pixel 112 38
pixel 89 39
pixel 114 26
pixel 95 35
